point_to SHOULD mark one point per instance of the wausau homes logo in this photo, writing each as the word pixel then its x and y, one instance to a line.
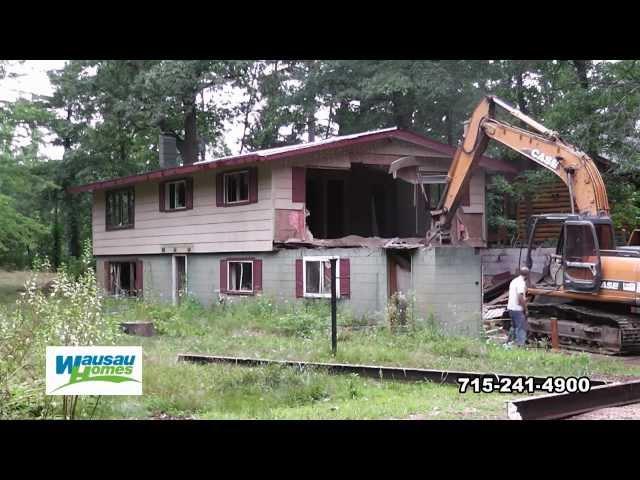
pixel 94 371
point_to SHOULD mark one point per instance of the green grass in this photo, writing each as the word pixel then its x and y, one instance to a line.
pixel 12 282
pixel 299 331
pixel 261 328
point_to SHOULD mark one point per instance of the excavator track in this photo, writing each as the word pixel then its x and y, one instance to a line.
pixel 586 327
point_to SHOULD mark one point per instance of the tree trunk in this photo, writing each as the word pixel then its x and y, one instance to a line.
pixel 522 104
pixel 73 227
pixel 56 234
pixel 202 145
pixel 449 122
pixel 402 111
pixel 190 145
pixel 340 117
pixel 581 67
pixel 311 127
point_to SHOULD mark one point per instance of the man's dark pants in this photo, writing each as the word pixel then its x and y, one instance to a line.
pixel 518 327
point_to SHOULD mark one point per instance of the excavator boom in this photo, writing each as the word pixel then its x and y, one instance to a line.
pixel 576 169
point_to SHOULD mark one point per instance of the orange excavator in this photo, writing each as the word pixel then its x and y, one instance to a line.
pixel 589 283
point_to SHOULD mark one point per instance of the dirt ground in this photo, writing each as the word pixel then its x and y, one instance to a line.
pixel 625 412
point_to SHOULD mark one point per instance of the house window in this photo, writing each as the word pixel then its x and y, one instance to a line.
pixel 176 195
pixel 317 277
pixel 120 209
pixel 122 279
pixel 240 276
pixel 236 187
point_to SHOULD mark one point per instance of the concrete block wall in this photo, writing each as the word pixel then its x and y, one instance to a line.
pixel 445 281
pixel 498 260
pixel 447 288
pixel 368 274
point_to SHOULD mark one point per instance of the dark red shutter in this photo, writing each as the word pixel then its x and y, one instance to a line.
pixel 298 193
pixel 253 185
pixel 257 275
pixel 139 277
pixel 299 284
pixel 345 278
pixel 465 201
pixel 107 277
pixel 219 190
pixel 161 189
pixel 223 276
pixel 189 193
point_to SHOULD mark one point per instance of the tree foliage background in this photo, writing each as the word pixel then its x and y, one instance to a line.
pixel 107 115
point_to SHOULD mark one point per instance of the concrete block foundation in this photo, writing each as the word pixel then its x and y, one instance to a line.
pixel 445 285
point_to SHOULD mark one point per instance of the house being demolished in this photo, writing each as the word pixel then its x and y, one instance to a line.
pixel 266 222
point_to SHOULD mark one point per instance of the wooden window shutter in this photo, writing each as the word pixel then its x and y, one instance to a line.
pixel 161 200
pixel 299 283
pixel 220 190
pixel 139 277
pixel 107 277
pixel 223 276
pixel 132 206
pixel 253 185
pixel 189 193
pixel 465 200
pixel 298 179
pixel 345 278
pixel 257 275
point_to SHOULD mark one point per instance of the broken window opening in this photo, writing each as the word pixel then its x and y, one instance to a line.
pixel 122 276
pixel 317 277
pixel 120 205
pixel 176 194
pixel 180 286
pixel 236 187
pixel 398 272
pixel 240 276
pixel 363 201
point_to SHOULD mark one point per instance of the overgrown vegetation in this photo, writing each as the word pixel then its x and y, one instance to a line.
pixel 68 314
pixel 73 312
pixel 107 115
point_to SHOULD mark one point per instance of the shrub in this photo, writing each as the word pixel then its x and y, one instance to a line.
pixel 70 314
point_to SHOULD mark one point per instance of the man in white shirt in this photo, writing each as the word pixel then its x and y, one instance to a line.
pixel 517 307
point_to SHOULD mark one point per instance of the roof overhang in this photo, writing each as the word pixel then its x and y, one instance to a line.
pixel 276 154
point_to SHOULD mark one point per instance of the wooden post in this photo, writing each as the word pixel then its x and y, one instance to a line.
pixel 555 342
pixel 334 338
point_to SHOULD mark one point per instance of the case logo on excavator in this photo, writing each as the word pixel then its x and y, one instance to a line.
pixel 541 157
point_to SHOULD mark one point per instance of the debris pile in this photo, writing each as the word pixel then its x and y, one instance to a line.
pixel 494 309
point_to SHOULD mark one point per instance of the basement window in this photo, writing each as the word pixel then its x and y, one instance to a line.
pixel 122 279
pixel 317 277
pixel 176 195
pixel 240 276
pixel 120 205
pixel 236 187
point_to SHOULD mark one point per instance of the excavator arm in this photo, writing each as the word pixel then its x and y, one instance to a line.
pixel 576 169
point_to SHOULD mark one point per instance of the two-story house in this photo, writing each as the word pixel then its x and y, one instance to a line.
pixel 266 222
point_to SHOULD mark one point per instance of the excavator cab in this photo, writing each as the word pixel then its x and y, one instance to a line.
pixel 576 265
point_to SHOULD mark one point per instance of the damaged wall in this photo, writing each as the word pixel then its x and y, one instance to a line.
pixel 369 192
